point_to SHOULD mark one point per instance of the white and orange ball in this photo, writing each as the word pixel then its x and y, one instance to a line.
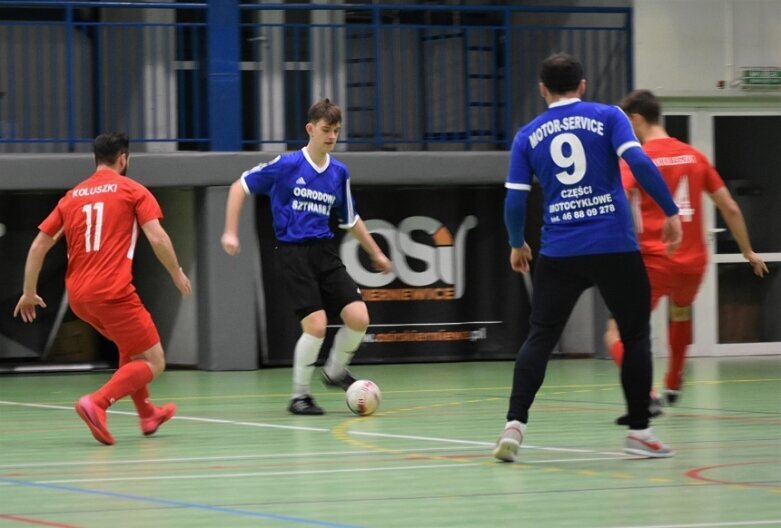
pixel 363 397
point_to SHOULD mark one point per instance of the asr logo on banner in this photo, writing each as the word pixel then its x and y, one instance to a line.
pixel 442 258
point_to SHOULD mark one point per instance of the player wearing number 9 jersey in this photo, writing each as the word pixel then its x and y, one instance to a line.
pixel 100 219
pixel 689 176
pixel 573 148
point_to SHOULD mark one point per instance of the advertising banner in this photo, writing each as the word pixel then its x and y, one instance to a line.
pixel 451 295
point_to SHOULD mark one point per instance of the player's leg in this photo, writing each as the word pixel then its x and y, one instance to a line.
pixel 342 296
pixel 680 331
pixel 659 276
pixel 346 341
pixel 557 289
pixel 305 355
pixel 623 283
pixel 301 284
pixel 130 326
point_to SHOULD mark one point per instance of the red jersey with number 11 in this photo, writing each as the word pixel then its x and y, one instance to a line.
pixel 100 218
pixel 688 174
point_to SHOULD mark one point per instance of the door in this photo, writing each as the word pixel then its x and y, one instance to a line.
pixel 737 313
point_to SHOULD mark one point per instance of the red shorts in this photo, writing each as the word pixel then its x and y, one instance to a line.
pixel 668 279
pixel 124 321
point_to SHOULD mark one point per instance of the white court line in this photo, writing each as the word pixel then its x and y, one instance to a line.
pixel 454 323
pixel 275 456
pixel 323 430
pixel 177 417
pixel 485 444
pixel 253 474
pixel 706 525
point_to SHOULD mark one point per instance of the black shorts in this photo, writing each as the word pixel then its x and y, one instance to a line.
pixel 315 277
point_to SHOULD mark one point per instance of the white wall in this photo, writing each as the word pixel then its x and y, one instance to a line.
pixel 685 47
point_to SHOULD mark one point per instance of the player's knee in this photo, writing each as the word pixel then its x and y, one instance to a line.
pixel 356 316
pixel 315 324
pixel 680 313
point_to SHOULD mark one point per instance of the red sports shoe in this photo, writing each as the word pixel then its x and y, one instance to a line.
pixel 95 418
pixel 149 426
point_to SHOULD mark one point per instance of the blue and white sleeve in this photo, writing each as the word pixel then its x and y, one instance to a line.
pixel 260 178
pixel 348 216
pixel 518 185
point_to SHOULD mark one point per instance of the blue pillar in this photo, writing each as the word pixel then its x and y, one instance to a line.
pixel 223 75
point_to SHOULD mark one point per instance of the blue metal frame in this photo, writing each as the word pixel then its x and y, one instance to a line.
pixel 221 69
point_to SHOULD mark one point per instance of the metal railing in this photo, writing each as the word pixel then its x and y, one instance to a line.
pixel 231 76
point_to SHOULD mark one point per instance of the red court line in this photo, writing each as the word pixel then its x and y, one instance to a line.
pixel 36 521
pixel 697 474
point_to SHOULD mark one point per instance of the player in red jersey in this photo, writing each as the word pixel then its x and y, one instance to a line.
pixel 100 218
pixel 689 175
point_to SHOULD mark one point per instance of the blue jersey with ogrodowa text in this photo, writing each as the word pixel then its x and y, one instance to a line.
pixel 303 195
pixel 573 148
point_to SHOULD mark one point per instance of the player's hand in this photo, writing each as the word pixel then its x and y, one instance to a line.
pixel 760 268
pixel 230 243
pixel 182 282
pixel 382 263
pixel 520 258
pixel 672 233
pixel 26 307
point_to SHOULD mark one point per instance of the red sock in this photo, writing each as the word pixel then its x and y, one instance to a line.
pixel 617 352
pixel 140 398
pixel 127 380
pixel 680 334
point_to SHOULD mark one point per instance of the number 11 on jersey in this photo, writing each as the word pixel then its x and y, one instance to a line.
pixel 92 240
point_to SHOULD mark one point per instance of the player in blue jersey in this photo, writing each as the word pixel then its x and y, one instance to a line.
pixel 573 149
pixel 304 187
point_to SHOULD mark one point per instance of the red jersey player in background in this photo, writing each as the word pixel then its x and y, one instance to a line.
pixel 678 275
pixel 100 218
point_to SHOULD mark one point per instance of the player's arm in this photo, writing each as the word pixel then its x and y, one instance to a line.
pixel 650 179
pixel 519 174
pixel 230 235
pixel 369 245
pixel 164 251
pixel 32 270
pixel 514 221
pixel 733 217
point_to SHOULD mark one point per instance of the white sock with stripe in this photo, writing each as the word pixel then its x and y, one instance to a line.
pixel 346 342
pixel 304 359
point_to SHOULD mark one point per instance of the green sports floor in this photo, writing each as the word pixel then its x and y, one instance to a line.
pixel 233 457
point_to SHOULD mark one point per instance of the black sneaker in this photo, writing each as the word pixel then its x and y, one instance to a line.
pixel 671 396
pixel 304 405
pixel 343 383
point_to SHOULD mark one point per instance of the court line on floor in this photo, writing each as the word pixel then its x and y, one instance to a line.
pixel 222 458
pixel 707 525
pixel 181 504
pixel 205 476
pixel 324 430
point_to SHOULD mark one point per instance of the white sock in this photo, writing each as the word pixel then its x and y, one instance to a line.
pixel 304 359
pixel 517 425
pixel 346 342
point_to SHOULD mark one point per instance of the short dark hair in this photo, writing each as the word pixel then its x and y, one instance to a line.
pixel 325 109
pixel 109 146
pixel 642 102
pixel 561 73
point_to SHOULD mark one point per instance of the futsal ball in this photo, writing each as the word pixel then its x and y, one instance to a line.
pixel 363 397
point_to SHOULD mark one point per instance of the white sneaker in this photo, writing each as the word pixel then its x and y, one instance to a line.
pixel 508 444
pixel 645 443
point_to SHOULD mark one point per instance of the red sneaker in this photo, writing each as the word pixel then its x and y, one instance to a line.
pixel 95 418
pixel 149 426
